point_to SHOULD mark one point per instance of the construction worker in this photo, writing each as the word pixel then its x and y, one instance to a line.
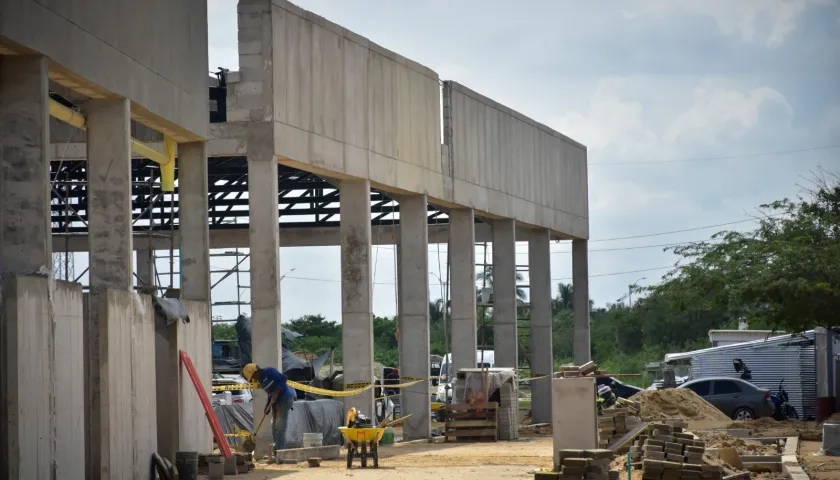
pixel 280 400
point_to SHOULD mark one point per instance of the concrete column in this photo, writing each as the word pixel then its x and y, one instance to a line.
pixel 25 230
pixel 26 373
pixel 356 290
pixel 462 287
pixel 505 337
pixel 542 360
pixel 146 268
pixel 264 234
pixel 109 194
pixel 194 222
pixel 111 257
pixel 580 299
pixel 414 315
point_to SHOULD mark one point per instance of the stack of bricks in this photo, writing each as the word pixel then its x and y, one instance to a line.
pixel 671 454
pixel 614 423
pixel 586 464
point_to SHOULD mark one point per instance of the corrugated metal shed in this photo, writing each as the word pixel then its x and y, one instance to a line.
pixel 785 357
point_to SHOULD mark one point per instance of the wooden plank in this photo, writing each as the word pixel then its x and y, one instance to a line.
pixel 628 437
pixel 472 433
pixel 472 406
pixel 208 407
pixel 470 423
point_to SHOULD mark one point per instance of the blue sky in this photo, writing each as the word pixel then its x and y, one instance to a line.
pixel 644 84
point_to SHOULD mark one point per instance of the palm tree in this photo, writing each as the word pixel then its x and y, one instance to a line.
pixel 564 299
pixel 436 311
pixel 487 276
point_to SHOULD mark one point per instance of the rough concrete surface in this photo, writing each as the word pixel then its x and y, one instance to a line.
pixel 100 55
pixel 122 396
pixel 181 421
pixel 573 410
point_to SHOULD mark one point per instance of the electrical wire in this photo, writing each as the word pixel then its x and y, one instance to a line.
pixel 723 157
pixel 683 230
pixel 610 274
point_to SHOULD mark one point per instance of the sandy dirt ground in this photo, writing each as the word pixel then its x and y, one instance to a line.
pixel 469 461
pixel 817 466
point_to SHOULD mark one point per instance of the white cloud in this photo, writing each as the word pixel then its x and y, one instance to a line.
pixel 717 111
pixel 768 21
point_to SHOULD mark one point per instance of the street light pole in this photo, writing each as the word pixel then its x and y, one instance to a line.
pixel 284 275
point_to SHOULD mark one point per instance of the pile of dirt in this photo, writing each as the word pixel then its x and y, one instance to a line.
pixel 715 439
pixel 676 403
pixel 619 464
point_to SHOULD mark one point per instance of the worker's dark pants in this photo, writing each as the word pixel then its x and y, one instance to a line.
pixel 280 420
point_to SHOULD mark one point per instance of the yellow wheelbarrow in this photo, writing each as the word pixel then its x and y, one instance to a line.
pixel 362 442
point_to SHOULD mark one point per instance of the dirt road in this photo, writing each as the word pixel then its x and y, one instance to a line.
pixel 469 461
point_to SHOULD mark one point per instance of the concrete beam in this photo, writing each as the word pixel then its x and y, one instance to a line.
pixel 413 272
pixel 462 238
pixel 580 299
pixel 505 336
pixel 357 290
pixel 289 237
pixel 539 285
pixel 146 268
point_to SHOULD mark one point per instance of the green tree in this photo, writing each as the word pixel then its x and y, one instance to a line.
pixel 487 276
pixel 784 275
pixel 223 331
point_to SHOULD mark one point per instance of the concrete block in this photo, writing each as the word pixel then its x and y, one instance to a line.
pixel 326 452
pixel 120 343
pixel 574 410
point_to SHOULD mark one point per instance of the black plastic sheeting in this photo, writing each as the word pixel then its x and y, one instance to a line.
pixel 308 416
pixel 171 309
pixel 243 331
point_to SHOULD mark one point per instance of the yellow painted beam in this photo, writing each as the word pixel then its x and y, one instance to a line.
pixel 166 160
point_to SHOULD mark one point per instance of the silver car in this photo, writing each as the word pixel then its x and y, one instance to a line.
pixel 737 398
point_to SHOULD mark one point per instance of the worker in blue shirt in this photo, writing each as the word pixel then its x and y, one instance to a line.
pixel 280 396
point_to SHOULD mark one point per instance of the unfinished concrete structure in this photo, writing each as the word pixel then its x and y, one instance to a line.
pixel 339 126
pixel 78 375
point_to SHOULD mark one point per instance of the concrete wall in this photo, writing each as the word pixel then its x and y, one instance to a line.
pixel 573 409
pixel 341 105
pixel 69 380
pixel 42 408
pixel 122 397
pixel 502 162
pixel 182 424
pixel 153 52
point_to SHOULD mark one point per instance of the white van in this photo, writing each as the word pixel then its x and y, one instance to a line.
pixel 445 389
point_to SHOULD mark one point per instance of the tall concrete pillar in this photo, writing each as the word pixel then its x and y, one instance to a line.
pixel 542 360
pixel 356 290
pixel 462 288
pixel 109 194
pixel 580 299
pixel 180 424
pixel 111 257
pixel 264 235
pixel 25 228
pixel 414 314
pixel 146 268
pixel 193 221
pixel 505 337
pixel 25 247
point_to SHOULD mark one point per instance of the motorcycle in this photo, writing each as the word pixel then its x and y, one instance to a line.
pixel 784 410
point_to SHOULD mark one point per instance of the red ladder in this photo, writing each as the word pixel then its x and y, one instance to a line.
pixel 208 407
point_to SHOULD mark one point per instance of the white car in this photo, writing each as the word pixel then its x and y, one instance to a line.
pixel 236 396
pixel 445 388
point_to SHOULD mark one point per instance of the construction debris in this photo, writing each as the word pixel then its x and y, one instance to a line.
pixel 671 454
pixel 588 464
pixel 617 420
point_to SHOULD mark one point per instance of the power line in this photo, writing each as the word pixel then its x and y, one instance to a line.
pixel 724 157
pixel 610 274
pixel 681 231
